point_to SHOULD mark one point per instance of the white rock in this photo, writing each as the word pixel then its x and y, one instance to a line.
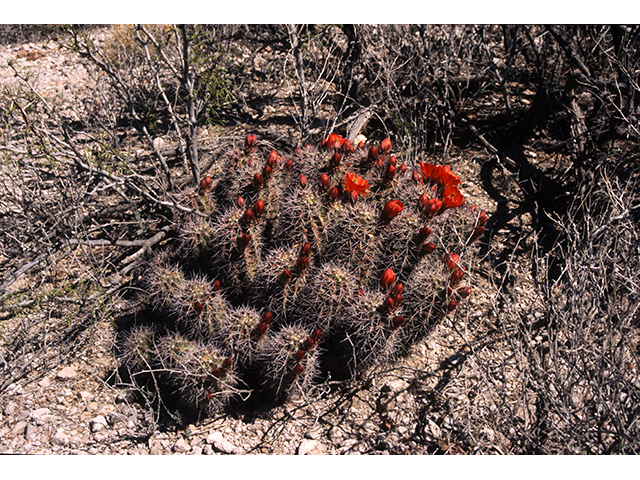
pixel 67 373
pixel 19 428
pixel 222 445
pixel 181 446
pixel 45 382
pixel 98 424
pixel 60 438
pixel 311 447
pixel 41 416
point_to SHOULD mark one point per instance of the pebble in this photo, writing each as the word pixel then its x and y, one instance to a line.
pixel 181 446
pixel 311 447
pixel 98 424
pixel 67 373
pixel 60 438
pixel 223 445
pixel 41 416
pixel 45 382
pixel 19 428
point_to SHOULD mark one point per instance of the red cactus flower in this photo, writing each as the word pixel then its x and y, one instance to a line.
pixel 427 248
pixel 243 241
pixel 402 168
pixel 288 164
pixel 306 249
pixel 397 322
pixel 299 355
pixel 216 286
pixel 430 172
pixel 240 201
pixel 206 183
pixel 387 279
pixel 452 198
pixel 373 153
pixel 464 292
pixel 335 141
pixel 361 145
pixel 324 181
pixel 417 178
pixel 258 208
pixel 447 178
pixel 385 146
pixel 266 171
pixel 391 209
pixel 298 369
pixel 250 143
pixel 258 181
pixel 433 206
pixel 303 181
pixel 452 261
pixel 482 218
pixel 451 306
pixel 353 183
pixel 285 276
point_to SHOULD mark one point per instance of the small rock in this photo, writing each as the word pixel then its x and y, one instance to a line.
pixel 10 409
pixel 41 416
pixel 208 450
pixel 19 428
pixel 222 445
pixel 487 435
pixel 311 447
pixel 30 432
pixel 181 446
pixel 98 424
pixel 196 451
pixel 67 373
pixel 313 433
pixel 155 448
pixel 435 430
pixel 60 438
pixel 45 382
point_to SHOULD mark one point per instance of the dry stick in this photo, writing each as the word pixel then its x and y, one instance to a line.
pixel 297 54
pixel 188 84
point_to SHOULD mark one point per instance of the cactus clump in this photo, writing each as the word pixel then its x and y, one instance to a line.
pixel 331 259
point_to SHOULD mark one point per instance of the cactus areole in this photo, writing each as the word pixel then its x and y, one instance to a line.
pixel 326 252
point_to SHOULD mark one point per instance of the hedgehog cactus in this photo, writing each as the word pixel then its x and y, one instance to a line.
pixel 331 259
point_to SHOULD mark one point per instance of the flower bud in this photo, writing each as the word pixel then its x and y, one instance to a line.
pixel 347 148
pixel 303 181
pixel 267 171
pixel 423 201
pixel 240 201
pixel 397 290
pixel 361 145
pixel 272 158
pixel 452 261
pixel 427 248
pixel 391 209
pixel 316 334
pixel 353 196
pixel 373 153
pixel 433 206
pixel 464 292
pixel 393 160
pixel 302 263
pixel 248 217
pixel 250 143
pixel 205 184
pixel 451 306
pixel 335 160
pixel 457 275
pixel 298 369
pixel 424 233
pixel 397 322
pixel 397 299
pixel 402 168
pixel 308 344
pixel 477 233
pixel 243 241
pixel 387 279
pixel 306 249
pixel 267 317
pixel 391 172
pixel 388 304
pixel 324 182
pixel 198 307
pixel 385 146
pixel 260 330
pixel 417 178
pixel 216 286
pixel 333 193
pixel 258 181
pixel 288 164
pixel 227 363
pixel 285 277
pixel 299 355
pixel 258 208
pixel 482 218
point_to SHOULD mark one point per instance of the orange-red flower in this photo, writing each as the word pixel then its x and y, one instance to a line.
pixel 391 209
pixel 334 141
pixel 353 183
pixel 387 279
pixel 452 198
pixel 448 178
pixel 429 172
pixel 439 174
pixel 385 146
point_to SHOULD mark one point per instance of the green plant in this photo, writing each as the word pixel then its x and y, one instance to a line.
pixel 332 259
